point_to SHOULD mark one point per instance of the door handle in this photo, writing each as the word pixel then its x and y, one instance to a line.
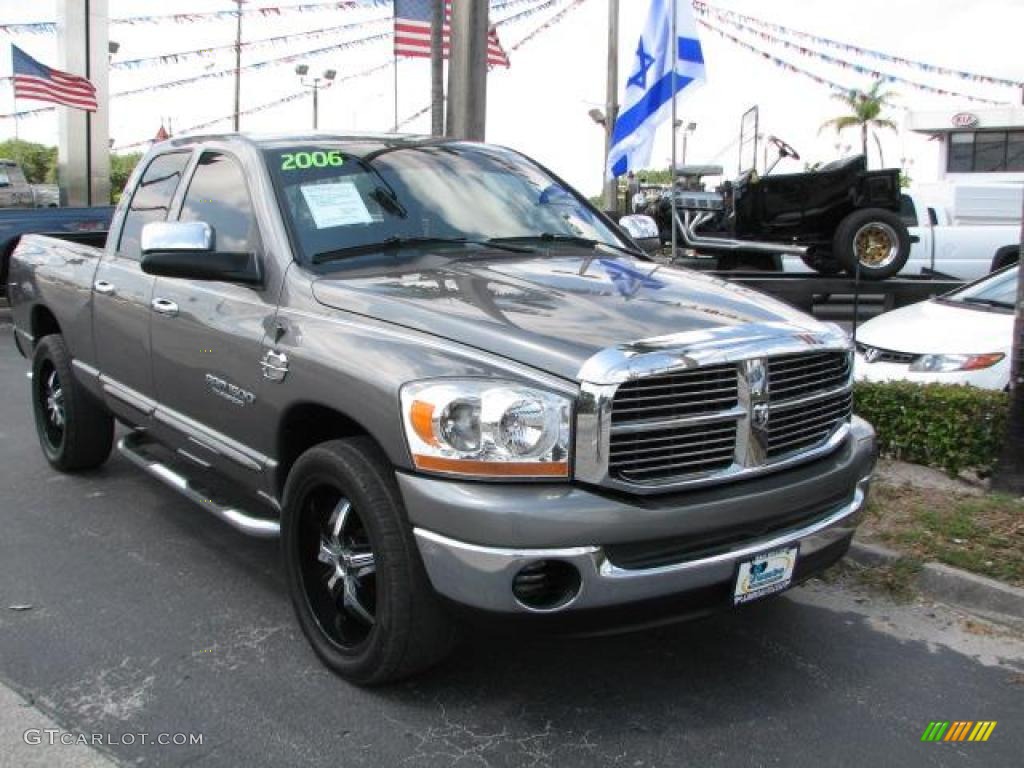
pixel 102 286
pixel 164 307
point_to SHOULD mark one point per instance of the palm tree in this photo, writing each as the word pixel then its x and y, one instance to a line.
pixel 1009 475
pixel 866 108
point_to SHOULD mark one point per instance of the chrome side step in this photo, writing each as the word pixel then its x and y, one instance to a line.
pixel 132 448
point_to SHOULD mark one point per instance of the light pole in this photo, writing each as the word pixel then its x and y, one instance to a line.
pixel 690 128
pixel 314 83
pixel 610 187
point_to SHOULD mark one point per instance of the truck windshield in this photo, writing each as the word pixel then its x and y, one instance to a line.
pixel 340 203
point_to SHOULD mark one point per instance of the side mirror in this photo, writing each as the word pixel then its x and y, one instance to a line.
pixel 186 249
pixel 643 230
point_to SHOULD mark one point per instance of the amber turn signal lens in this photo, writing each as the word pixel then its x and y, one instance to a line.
pixel 978 362
pixel 422 417
pixel 492 468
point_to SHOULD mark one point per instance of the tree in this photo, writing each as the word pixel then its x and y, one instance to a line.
pixel 121 167
pixel 37 161
pixel 1009 475
pixel 865 111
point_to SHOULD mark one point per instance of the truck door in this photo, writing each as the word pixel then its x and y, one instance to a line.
pixel 122 291
pixel 207 336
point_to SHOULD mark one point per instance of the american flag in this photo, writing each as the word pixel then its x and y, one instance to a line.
pixel 412 32
pixel 33 80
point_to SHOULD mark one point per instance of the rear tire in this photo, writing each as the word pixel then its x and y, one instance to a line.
pixel 75 431
pixel 354 574
pixel 876 238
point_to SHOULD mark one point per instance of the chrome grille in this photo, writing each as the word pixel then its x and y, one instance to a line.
pixel 653 455
pixel 675 395
pixel 803 425
pixel 793 376
pixel 879 355
pixel 726 419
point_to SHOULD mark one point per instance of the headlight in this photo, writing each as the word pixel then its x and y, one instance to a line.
pixel 486 428
pixel 950 363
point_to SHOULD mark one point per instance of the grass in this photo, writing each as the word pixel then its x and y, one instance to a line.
pixel 981 534
pixel 896 579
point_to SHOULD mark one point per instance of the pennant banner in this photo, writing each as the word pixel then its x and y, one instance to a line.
pixel 262 107
pixel 200 53
pixel 868 52
pixel 50 27
pixel 842 63
pixel 780 63
pixel 290 58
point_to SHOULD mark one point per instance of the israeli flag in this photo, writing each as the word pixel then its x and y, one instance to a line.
pixel 649 92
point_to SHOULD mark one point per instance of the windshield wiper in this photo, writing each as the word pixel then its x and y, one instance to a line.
pixel 551 237
pixel 398 243
pixel 987 302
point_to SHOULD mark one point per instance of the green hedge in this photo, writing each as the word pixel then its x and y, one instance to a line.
pixel 954 428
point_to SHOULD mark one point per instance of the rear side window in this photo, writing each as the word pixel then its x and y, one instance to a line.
pixel 907 211
pixel 217 194
pixel 151 200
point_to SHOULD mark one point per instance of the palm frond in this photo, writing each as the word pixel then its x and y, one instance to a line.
pixel 839 123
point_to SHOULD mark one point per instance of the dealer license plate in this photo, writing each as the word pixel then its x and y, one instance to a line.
pixel 764 574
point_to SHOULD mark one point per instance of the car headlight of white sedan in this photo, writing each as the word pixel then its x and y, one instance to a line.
pixel 950 363
pixel 486 428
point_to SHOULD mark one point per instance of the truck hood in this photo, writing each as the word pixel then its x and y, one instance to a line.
pixel 550 310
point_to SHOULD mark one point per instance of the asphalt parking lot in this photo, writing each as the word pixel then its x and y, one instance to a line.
pixel 143 615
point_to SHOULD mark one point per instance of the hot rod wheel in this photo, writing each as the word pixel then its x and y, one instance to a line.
pixel 875 237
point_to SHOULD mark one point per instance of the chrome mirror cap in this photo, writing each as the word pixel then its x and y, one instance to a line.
pixel 176 236
pixel 639 227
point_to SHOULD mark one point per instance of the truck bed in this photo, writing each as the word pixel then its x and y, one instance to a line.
pixel 83 225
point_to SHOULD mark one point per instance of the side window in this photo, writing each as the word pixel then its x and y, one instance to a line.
pixel 907 211
pixel 218 195
pixel 151 200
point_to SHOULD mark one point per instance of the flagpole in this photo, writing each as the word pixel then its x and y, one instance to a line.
pixel 88 114
pixel 395 59
pixel 674 42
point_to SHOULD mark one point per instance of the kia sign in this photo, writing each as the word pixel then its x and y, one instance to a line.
pixel 965 120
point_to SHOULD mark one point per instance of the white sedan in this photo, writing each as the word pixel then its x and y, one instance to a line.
pixel 961 338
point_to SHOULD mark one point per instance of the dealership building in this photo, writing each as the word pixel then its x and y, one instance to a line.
pixel 979 145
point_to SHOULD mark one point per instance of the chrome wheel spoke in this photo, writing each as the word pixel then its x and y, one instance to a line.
pixel 332 582
pixel 327 554
pixel 353 604
pixel 342 564
pixel 356 561
pixel 339 516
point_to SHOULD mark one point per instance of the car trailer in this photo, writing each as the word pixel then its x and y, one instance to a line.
pixel 804 290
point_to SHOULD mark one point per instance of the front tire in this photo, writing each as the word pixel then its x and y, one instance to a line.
pixel 75 431
pixel 356 581
pixel 874 237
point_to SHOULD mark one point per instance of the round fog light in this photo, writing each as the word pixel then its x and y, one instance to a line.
pixel 546 585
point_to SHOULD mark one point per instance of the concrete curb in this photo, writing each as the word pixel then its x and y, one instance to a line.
pixel 946 584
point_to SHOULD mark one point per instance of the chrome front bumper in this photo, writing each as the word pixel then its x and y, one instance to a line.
pixel 482 577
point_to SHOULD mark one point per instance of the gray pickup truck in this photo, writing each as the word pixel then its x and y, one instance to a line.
pixel 454 389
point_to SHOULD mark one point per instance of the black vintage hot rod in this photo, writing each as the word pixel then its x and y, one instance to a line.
pixel 833 218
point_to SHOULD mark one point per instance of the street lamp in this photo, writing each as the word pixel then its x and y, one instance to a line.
pixel 611 186
pixel 690 128
pixel 314 83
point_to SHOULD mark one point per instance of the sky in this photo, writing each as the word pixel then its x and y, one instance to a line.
pixel 540 104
